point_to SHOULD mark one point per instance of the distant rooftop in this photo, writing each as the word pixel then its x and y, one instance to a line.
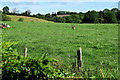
pixel 62 15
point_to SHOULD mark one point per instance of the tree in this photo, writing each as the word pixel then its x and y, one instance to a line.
pixel 76 18
pixel 26 13
pixel 106 10
pixel 81 15
pixel 71 12
pixel 48 15
pixel 59 19
pixel 118 16
pixel 69 19
pixel 91 17
pixel 100 14
pixel 115 10
pixel 40 16
pixel 109 16
pixel 53 14
pixel 101 20
pixel 61 12
pixel 6 10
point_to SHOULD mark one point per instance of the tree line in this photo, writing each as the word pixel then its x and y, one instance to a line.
pixel 104 16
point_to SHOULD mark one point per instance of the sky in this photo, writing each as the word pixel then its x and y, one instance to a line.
pixel 49 6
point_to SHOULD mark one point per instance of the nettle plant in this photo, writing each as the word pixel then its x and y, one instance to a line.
pixel 15 66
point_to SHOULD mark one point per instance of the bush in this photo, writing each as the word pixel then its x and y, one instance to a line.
pixel 118 21
pixel 18 67
pixel 20 19
pixel 5 18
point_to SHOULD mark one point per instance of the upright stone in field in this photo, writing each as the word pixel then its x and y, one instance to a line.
pixel 25 54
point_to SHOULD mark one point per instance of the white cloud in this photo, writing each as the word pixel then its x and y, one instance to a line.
pixel 59 0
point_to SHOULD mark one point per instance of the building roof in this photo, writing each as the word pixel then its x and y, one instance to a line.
pixel 62 15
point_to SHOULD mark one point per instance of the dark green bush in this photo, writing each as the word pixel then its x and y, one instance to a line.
pixel 15 66
pixel 20 19
pixel 5 18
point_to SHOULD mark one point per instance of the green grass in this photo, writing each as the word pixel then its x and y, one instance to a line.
pixel 0 51
pixel 99 42
pixel 29 19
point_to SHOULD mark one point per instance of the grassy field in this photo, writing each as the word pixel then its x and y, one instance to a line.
pixel 99 42
pixel 28 19
pixel 0 51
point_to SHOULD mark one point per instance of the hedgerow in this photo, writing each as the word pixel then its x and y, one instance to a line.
pixel 15 66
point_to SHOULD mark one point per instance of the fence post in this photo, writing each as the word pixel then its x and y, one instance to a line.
pixel 102 73
pixel 79 58
pixel 25 53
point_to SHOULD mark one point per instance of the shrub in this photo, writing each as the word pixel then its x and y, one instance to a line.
pixel 5 18
pixel 20 19
pixel 15 66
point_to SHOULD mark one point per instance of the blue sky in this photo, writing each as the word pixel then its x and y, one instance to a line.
pixel 49 7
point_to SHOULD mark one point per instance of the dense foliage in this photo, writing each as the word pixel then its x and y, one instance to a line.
pixel 6 10
pixel 105 16
pixel 4 17
pixel 15 66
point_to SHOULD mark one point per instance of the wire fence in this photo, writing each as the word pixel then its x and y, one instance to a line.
pixel 88 70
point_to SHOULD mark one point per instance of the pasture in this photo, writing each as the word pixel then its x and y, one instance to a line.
pixel 29 19
pixel 0 50
pixel 99 42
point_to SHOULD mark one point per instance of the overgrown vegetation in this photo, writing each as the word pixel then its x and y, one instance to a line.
pixel 15 66
pixel 4 17
pixel 105 16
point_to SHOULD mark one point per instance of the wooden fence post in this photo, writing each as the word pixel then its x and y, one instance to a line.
pixel 25 54
pixel 79 58
pixel 102 73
